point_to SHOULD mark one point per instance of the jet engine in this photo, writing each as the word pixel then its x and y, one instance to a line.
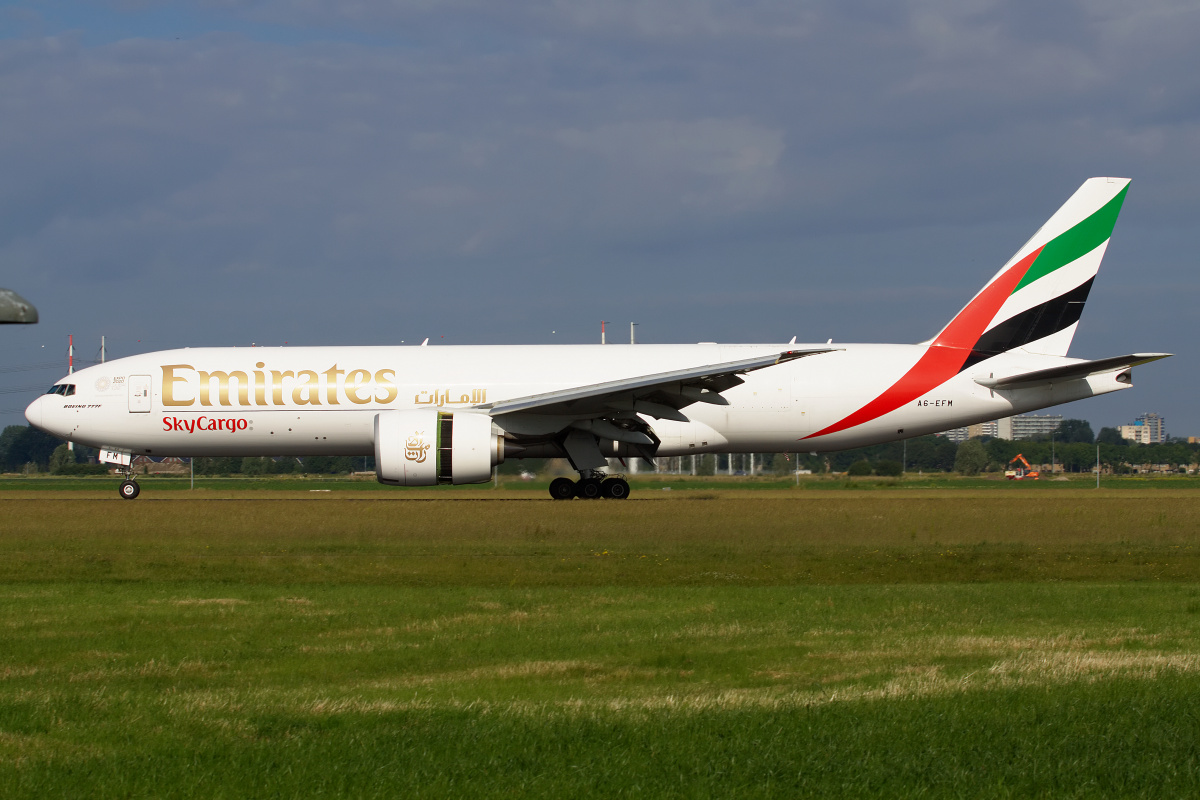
pixel 425 447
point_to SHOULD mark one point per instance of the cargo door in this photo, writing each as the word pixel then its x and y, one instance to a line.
pixel 139 394
pixel 763 403
pixel 813 392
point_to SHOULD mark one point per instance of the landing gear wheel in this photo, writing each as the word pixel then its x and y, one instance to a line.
pixel 562 488
pixel 588 489
pixel 615 488
pixel 129 490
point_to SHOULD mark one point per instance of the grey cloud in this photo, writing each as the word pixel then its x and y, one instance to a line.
pixel 656 19
pixel 508 170
pixel 735 158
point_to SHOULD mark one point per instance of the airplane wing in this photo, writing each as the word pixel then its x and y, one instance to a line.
pixel 1068 372
pixel 660 395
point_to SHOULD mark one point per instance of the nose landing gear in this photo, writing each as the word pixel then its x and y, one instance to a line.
pixel 129 488
pixel 592 485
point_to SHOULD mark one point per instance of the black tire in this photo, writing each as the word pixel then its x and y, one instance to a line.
pixel 562 488
pixel 615 488
pixel 588 489
pixel 129 490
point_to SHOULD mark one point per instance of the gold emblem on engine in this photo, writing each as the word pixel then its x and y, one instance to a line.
pixel 415 448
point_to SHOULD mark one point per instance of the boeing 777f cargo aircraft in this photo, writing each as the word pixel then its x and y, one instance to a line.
pixel 434 415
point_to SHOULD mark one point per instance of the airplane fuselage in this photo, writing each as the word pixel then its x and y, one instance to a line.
pixel 324 400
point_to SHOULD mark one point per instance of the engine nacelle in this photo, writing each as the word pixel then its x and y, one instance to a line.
pixel 425 447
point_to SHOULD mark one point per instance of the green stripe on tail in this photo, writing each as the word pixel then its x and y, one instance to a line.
pixel 1078 241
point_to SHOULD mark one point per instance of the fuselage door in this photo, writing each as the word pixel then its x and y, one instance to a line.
pixel 139 394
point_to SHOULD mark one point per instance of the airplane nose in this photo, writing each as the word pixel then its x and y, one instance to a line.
pixel 34 413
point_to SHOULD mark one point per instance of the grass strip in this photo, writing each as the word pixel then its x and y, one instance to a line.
pixel 717 539
pixel 989 690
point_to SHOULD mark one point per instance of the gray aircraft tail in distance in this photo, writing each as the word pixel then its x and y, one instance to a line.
pixel 15 309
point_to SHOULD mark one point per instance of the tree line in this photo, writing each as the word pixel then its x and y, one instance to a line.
pixel 27 449
pixel 1072 447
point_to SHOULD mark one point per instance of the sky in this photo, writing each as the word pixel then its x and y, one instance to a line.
pixel 231 172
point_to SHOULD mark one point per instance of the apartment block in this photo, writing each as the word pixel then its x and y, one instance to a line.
pixel 1149 428
pixel 1023 426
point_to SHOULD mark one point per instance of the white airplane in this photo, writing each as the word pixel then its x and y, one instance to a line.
pixel 434 415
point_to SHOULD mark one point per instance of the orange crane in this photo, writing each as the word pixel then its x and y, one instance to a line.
pixel 1023 471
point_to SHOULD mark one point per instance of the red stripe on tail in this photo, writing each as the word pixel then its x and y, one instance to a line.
pixel 946 355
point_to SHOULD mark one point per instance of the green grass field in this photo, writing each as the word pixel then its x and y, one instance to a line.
pixel 105 485
pixel 698 642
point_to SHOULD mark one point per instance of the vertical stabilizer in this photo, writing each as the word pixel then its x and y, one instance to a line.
pixel 1033 303
pixel 1036 300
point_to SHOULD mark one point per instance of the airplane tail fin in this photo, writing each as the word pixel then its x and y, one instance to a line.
pixel 1035 301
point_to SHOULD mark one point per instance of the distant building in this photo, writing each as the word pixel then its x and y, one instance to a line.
pixel 957 435
pixel 156 465
pixel 1024 426
pixel 1156 424
pixel 984 429
pixel 1135 433
pixel 1028 426
pixel 1149 428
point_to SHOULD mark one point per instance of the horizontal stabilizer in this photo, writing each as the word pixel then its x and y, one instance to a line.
pixel 1069 372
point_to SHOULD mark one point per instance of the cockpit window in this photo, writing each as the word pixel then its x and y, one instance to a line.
pixel 64 389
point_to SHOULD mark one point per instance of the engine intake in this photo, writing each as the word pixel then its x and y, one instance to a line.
pixel 425 447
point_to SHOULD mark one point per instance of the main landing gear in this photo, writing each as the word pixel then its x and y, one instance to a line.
pixel 592 485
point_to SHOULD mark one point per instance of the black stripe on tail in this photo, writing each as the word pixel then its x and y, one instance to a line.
pixel 1029 326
